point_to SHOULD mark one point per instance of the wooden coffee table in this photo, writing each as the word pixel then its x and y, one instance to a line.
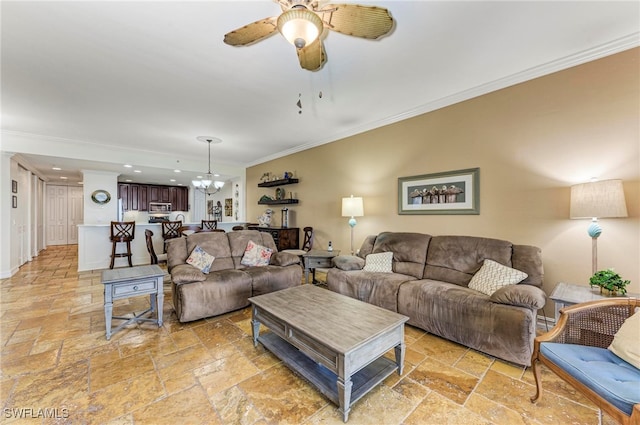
pixel 335 342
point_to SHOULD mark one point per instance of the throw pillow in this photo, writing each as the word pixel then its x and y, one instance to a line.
pixel 200 259
pixel 493 276
pixel 625 341
pixel 256 255
pixel 381 262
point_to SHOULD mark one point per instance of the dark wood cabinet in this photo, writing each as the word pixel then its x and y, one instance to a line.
pixel 136 197
pixel 284 237
pixel 123 193
pixel 179 198
pixel 143 197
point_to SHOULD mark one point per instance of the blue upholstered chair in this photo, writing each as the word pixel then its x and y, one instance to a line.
pixel 576 350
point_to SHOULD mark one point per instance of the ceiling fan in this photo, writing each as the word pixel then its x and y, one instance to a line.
pixel 303 21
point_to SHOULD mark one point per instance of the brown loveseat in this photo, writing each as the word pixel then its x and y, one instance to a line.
pixel 429 283
pixel 229 284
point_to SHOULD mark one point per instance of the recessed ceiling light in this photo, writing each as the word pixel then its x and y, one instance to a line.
pixel 172 180
pixel 177 171
pixel 128 180
pixel 216 175
pixel 137 171
pixel 56 168
pixel 198 177
pixel 63 177
pixel 128 165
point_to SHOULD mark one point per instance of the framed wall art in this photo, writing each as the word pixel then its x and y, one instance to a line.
pixel 449 192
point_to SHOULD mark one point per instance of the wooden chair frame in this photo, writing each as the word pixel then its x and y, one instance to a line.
pixel 209 224
pixel 155 259
pixel 592 324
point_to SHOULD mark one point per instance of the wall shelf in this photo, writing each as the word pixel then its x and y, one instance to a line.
pixel 281 182
pixel 278 202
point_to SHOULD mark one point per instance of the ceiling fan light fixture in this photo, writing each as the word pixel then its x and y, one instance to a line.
pixel 300 26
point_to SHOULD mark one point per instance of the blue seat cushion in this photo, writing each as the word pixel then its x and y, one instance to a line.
pixel 599 369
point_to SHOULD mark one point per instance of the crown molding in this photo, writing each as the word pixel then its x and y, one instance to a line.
pixel 616 46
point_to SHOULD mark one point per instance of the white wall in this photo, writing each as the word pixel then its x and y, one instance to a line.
pixel 100 180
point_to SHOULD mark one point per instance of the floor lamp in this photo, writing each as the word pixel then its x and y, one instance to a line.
pixel 352 207
pixel 597 199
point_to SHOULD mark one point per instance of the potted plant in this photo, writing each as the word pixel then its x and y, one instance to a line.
pixel 610 281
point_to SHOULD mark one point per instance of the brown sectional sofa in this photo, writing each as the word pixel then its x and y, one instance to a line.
pixel 229 284
pixel 429 284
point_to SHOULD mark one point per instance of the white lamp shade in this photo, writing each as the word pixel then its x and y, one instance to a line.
pixel 352 207
pixel 600 199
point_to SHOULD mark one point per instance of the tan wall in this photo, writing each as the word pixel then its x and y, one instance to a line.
pixel 531 142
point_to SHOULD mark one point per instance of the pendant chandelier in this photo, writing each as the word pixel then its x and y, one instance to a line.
pixel 207 185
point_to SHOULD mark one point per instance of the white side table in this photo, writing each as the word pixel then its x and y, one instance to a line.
pixel 129 282
pixel 566 294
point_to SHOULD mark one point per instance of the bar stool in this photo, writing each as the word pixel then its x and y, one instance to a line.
pixel 122 231
pixel 209 224
pixel 170 230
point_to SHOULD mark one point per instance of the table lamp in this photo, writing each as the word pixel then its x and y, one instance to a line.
pixel 597 199
pixel 352 207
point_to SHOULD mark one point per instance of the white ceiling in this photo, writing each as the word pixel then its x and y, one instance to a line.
pixel 103 83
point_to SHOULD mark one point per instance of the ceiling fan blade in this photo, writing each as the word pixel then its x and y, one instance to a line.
pixel 251 33
pixel 312 57
pixel 357 20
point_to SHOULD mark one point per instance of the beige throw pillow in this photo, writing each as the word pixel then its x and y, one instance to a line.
pixel 625 342
pixel 381 262
pixel 493 276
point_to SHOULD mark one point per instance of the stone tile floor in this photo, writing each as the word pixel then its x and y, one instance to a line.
pixel 57 367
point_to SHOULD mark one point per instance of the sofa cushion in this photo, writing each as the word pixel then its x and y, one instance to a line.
pixel 600 370
pixel 379 289
pixel 527 296
pixel 409 251
pixel 200 259
pixel 455 259
pixel 266 279
pixel 216 244
pixel 185 273
pixel 493 276
pixel 625 342
pixel 256 255
pixel 528 259
pixel 348 262
pixel 238 242
pixel 380 262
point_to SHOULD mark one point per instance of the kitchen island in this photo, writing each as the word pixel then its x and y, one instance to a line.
pixel 94 246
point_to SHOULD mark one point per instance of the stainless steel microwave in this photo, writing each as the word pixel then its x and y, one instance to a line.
pixel 159 208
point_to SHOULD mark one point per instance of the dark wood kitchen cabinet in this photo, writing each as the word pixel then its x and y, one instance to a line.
pixel 136 197
pixel 159 194
pixel 179 198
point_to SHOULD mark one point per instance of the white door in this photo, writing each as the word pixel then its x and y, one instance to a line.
pixel 57 215
pixel 75 213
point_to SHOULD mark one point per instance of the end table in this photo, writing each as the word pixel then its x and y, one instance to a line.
pixel 129 282
pixel 566 294
pixel 317 259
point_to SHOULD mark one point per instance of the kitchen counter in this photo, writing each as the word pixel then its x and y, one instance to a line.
pixel 94 246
